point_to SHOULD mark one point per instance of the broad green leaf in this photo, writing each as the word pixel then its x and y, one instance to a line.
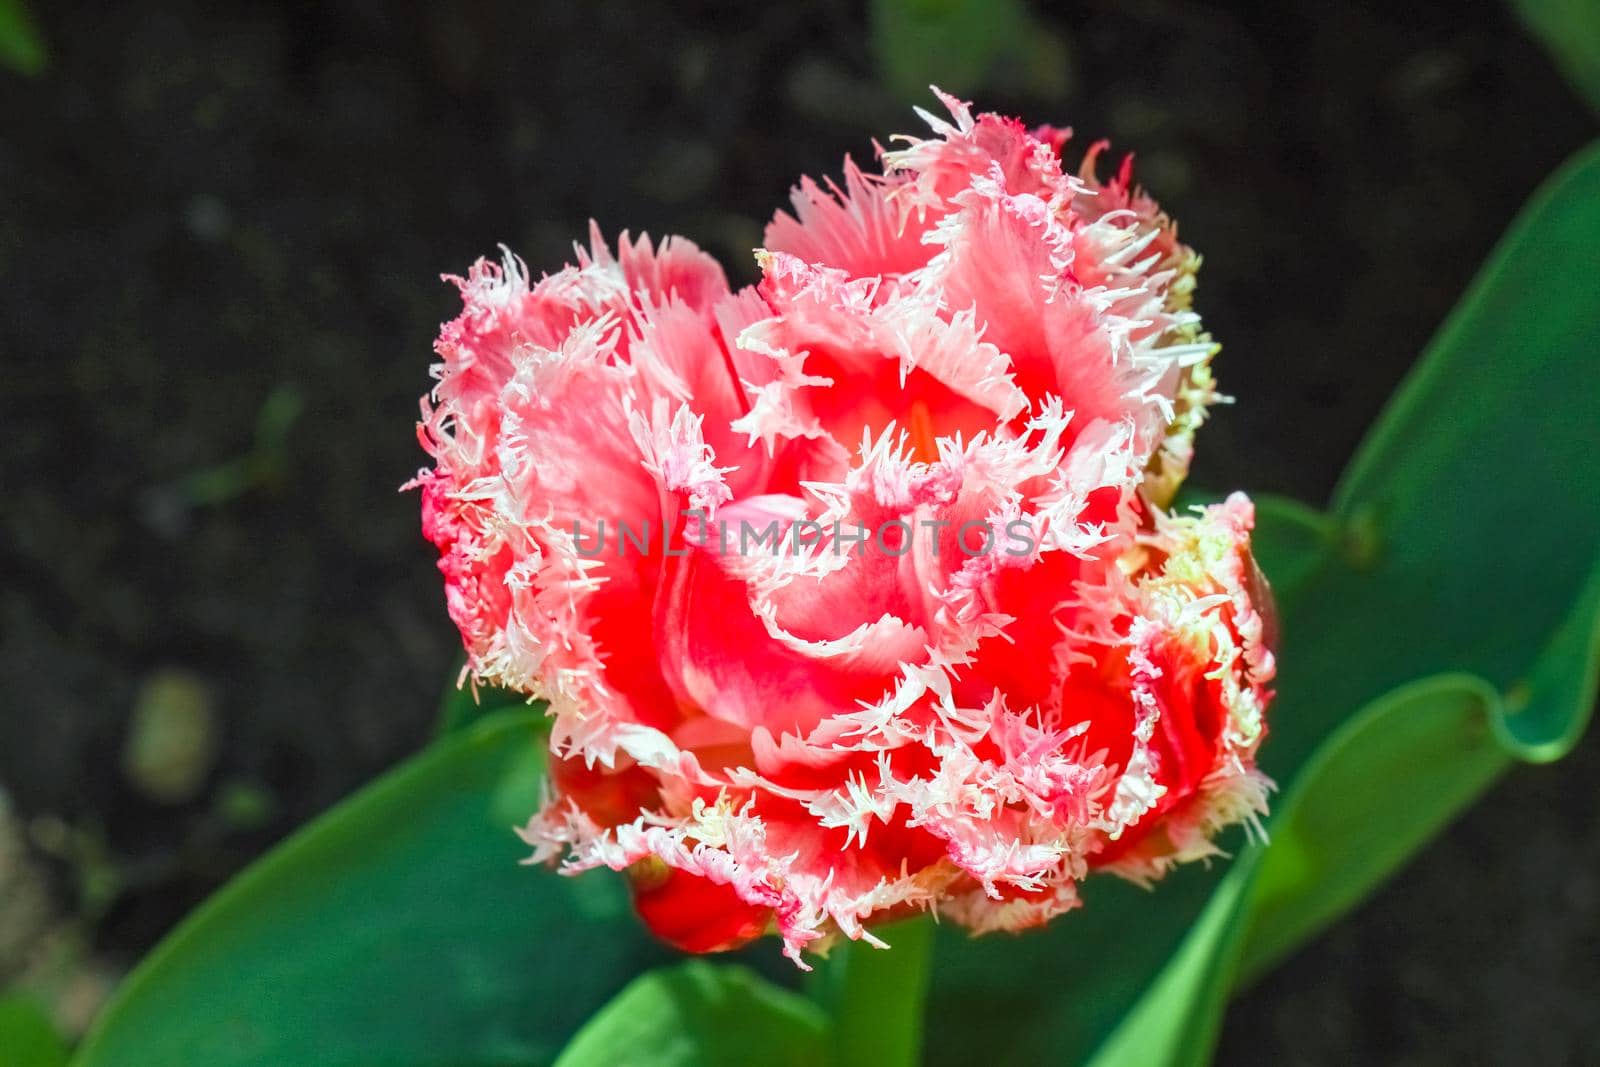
pixel 702 1014
pixel 1470 516
pixel 27 1036
pixel 1570 29
pixel 1463 540
pixel 399 929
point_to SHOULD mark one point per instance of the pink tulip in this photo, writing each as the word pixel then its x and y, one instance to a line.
pixel 853 593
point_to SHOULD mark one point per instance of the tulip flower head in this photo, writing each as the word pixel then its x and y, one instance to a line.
pixel 855 593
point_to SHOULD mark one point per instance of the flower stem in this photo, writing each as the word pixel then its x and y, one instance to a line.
pixel 875 997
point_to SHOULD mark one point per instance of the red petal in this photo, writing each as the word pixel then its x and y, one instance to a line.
pixel 693 913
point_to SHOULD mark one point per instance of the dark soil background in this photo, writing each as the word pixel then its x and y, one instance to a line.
pixel 220 238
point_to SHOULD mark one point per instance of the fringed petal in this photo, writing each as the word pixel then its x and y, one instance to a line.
pixel 853 593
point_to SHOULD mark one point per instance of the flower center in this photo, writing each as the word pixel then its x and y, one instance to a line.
pixel 924 440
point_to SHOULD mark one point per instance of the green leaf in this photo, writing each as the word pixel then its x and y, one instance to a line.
pixel 398 929
pixel 701 1014
pixel 21 44
pixel 875 997
pixel 27 1036
pixel 1470 516
pixel 866 1002
pixel 1570 29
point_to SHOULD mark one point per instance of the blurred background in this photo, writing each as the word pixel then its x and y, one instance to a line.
pixel 221 231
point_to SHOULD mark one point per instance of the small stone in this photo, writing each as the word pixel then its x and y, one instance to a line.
pixel 208 218
pixel 172 737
